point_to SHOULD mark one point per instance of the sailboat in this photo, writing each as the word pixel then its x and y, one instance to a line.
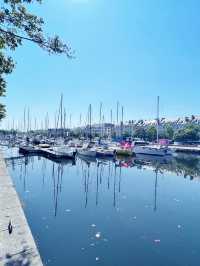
pixel 60 149
pixel 87 149
pixel 156 149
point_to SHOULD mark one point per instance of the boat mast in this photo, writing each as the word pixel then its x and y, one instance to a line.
pixel 111 121
pixel 103 126
pixel 13 126
pixel 117 117
pixel 61 114
pixel 70 121
pixel 56 122
pixel 24 119
pixel 80 124
pixel 35 124
pixel 117 112
pixel 100 119
pixel 122 123
pixel 90 121
pixel 158 109
pixel 64 121
pixel 28 127
pixel 47 123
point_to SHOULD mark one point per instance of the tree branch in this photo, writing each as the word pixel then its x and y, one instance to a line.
pixel 53 45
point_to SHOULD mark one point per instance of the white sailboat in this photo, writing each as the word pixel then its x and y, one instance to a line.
pixel 105 152
pixel 64 151
pixel 87 150
pixel 152 150
pixel 156 149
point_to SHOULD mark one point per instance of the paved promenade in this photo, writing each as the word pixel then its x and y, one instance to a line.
pixel 17 248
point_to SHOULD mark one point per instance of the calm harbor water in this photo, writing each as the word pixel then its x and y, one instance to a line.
pixel 140 211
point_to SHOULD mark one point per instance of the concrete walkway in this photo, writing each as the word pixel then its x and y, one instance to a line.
pixel 18 248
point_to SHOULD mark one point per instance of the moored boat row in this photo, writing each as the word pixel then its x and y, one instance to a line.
pixel 92 149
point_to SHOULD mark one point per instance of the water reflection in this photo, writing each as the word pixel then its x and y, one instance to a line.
pixel 181 165
pixel 57 176
pixel 105 209
pixel 155 191
pixel 109 172
pixel 93 168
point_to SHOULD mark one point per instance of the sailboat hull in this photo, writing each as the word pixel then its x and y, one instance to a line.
pixel 87 153
pixel 150 150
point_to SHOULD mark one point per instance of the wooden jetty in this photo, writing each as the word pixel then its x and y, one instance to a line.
pixel 46 152
pixel 30 150
pixel 17 247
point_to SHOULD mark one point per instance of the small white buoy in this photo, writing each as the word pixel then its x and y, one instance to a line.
pixel 97 258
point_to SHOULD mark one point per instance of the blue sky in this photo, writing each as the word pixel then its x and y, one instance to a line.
pixel 126 50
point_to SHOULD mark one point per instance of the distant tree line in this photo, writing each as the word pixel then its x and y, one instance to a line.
pixel 189 132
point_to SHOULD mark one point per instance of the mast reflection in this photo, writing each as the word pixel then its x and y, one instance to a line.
pixel 101 177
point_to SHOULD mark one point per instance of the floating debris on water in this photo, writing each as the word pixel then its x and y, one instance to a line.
pixel 93 225
pixel 98 235
pixel 177 200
